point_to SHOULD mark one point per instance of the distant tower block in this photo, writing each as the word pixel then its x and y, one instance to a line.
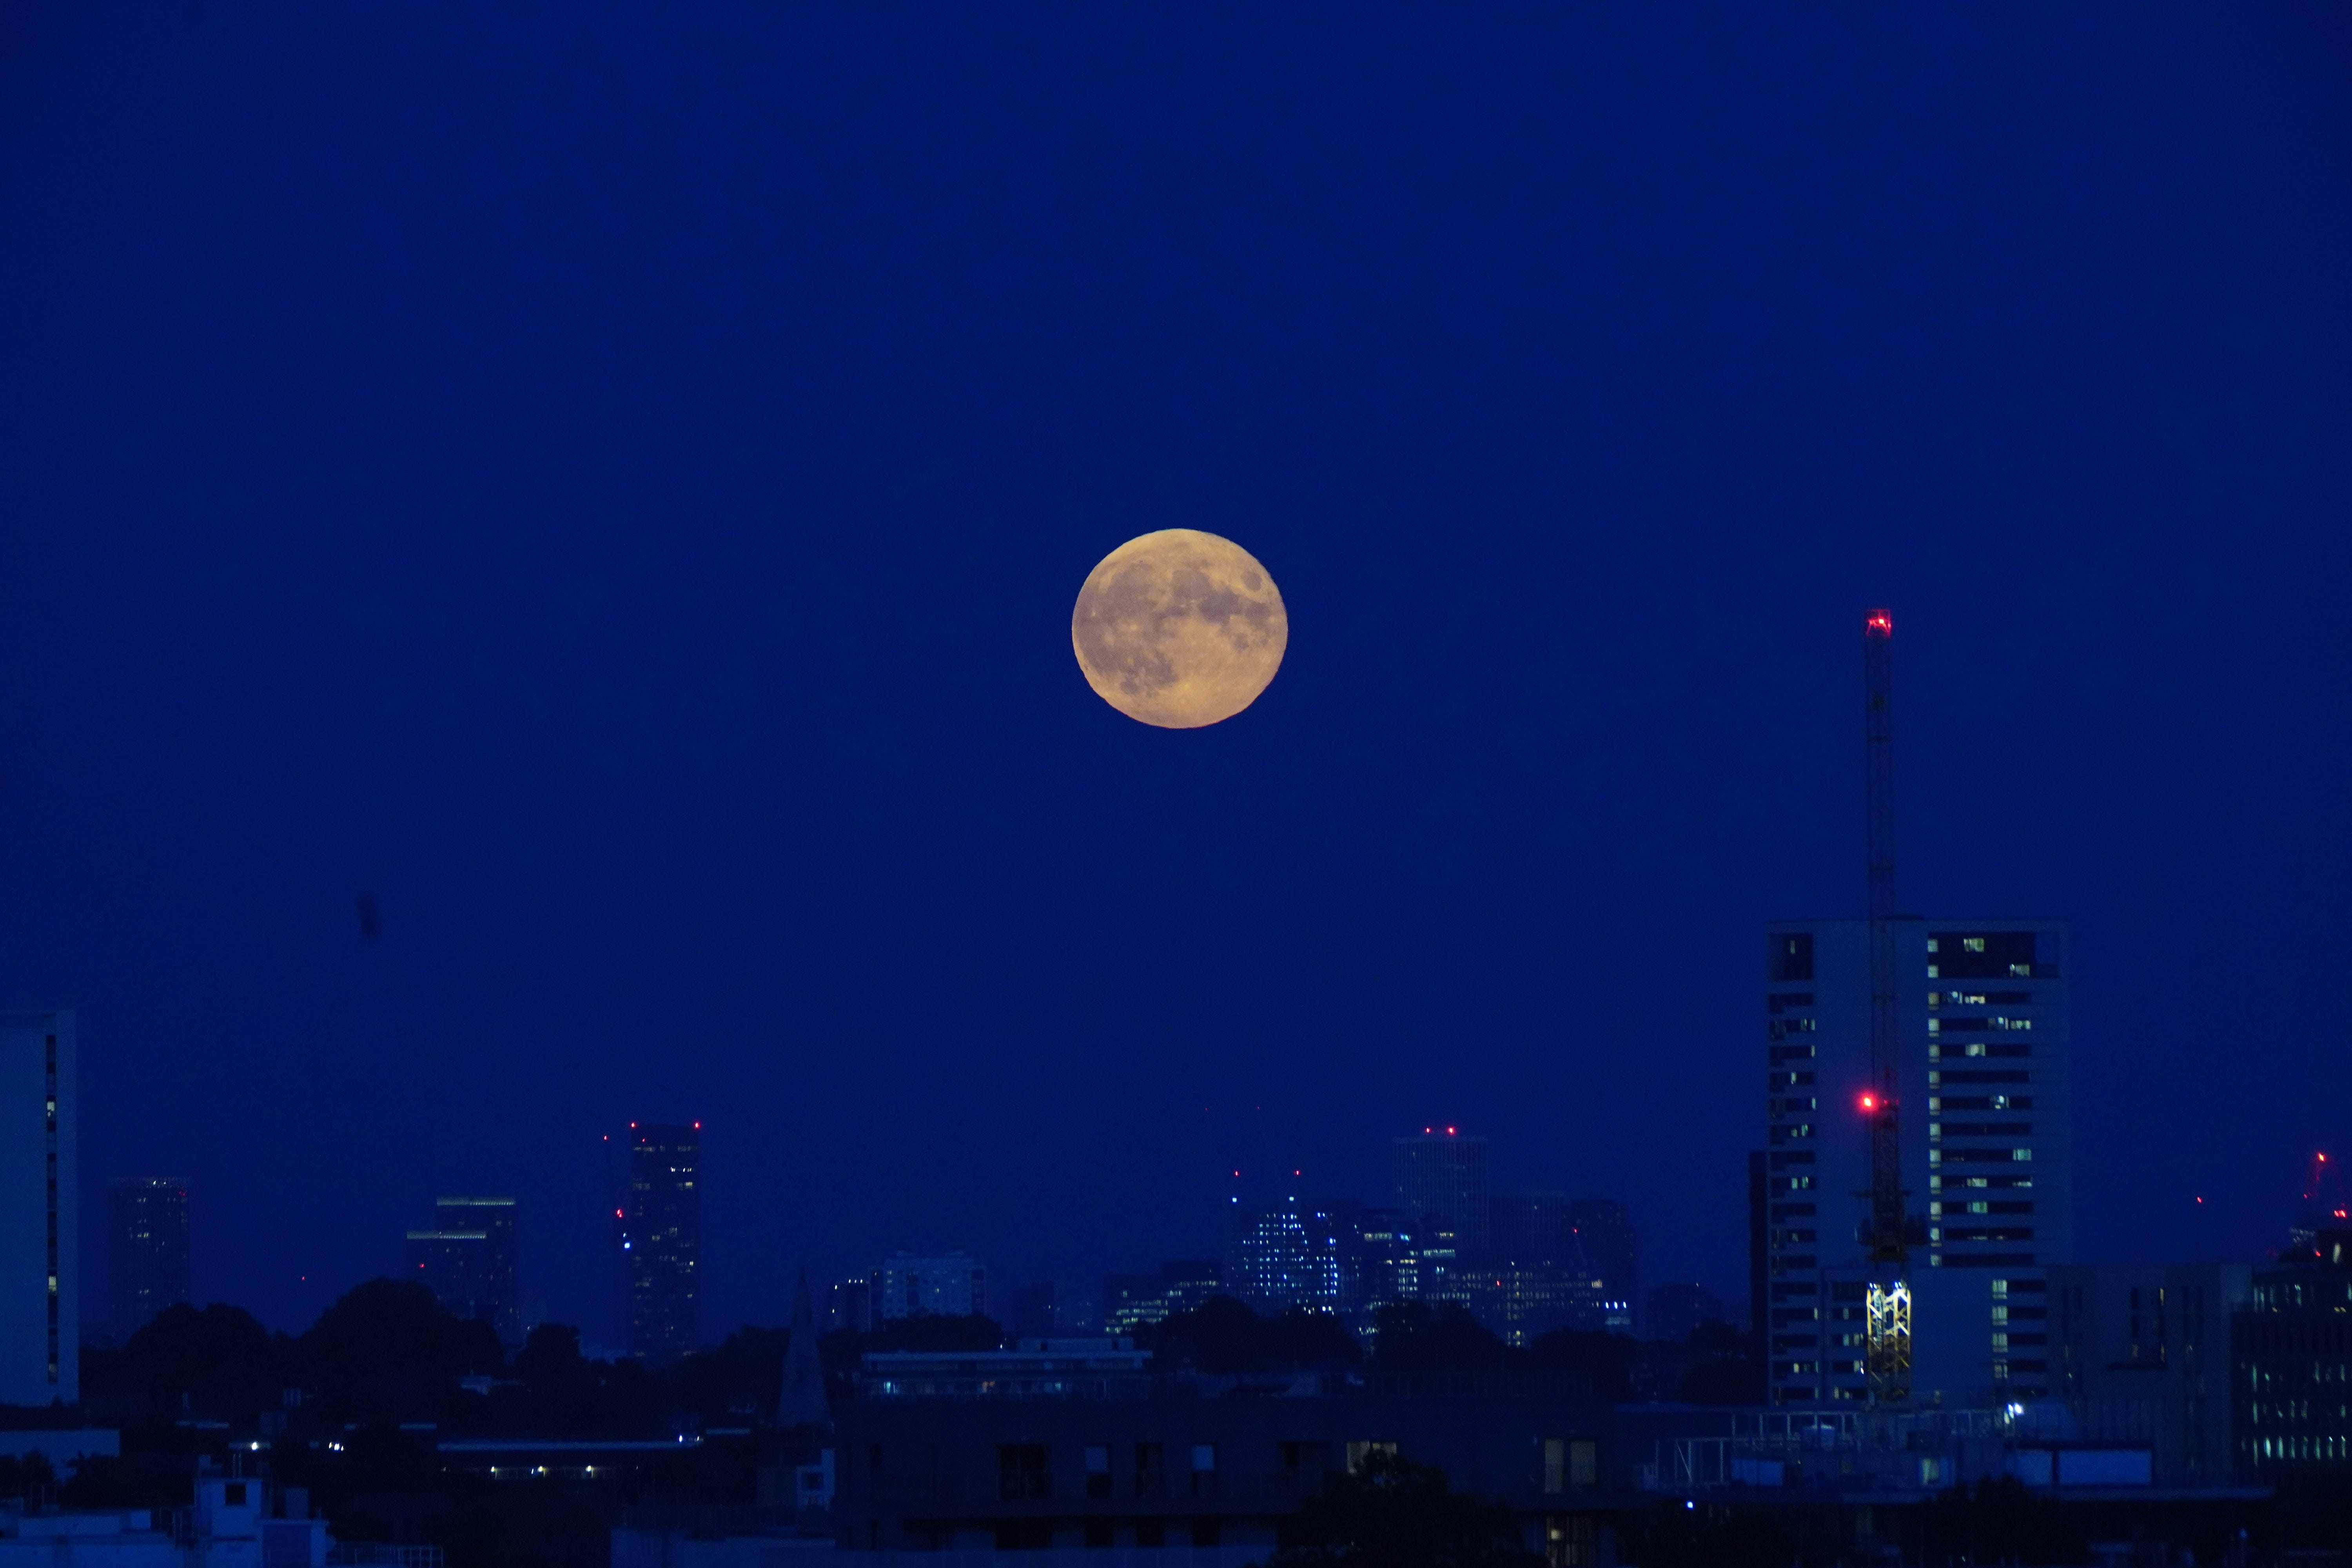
pixel 146 1249
pixel 661 1241
pixel 469 1260
pixel 1440 1179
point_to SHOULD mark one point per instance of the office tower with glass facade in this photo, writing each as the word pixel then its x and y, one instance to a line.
pixel 40 1301
pixel 661 1241
pixel 1440 1181
pixel 146 1250
pixel 1985 1112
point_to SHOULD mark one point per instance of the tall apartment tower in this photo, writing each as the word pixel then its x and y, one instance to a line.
pixel 146 1249
pixel 1987 1154
pixel 661 1242
pixel 40 1302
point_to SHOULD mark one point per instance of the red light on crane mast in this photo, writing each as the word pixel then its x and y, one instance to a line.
pixel 1878 624
pixel 1869 1102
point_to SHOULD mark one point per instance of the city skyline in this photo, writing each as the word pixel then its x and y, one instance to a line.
pixel 524 630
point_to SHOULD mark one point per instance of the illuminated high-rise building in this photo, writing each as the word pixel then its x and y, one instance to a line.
pixel 1985 1108
pixel 1289 1253
pixel 661 1242
pixel 146 1249
pixel 40 1301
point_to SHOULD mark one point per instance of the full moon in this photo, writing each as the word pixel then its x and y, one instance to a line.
pixel 1179 628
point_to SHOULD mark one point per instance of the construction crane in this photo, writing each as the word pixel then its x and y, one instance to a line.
pixel 1886 1241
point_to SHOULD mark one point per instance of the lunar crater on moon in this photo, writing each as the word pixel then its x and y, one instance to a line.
pixel 1179 628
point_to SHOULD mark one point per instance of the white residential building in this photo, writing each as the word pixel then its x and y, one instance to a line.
pixel 1987 1150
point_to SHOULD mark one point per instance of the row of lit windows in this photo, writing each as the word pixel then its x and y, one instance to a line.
pixel 2291 1449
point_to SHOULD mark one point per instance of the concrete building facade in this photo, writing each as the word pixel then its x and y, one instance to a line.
pixel 2140 1353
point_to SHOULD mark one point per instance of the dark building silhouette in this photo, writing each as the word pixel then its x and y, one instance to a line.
pixel 1533 1228
pixel 849 1306
pixel 1605 1231
pixel 147 1249
pixel 661 1242
pixel 469 1260
pixel 800 1403
pixel 1053 1309
pixel 1033 1310
pixel 1671 1311
pixel 1534 1277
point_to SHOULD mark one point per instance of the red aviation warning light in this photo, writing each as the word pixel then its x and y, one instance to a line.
pixel 1878 624
pixel 1869 1102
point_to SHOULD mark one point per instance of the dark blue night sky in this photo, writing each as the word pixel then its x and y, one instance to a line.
pixel 612 485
